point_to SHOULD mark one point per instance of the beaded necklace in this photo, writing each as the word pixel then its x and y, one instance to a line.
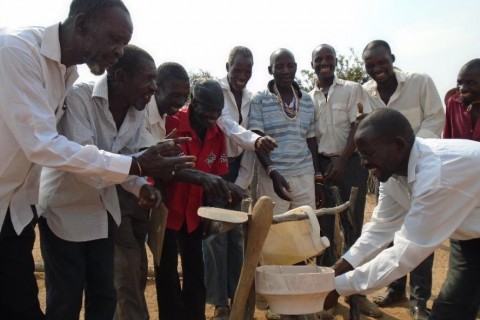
pixel 289 111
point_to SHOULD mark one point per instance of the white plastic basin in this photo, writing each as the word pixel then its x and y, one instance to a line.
pixel 294 289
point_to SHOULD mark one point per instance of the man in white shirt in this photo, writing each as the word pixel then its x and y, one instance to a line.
pixel 223 253
pixel 430 193
pixel 336 108
pixel 416 97
pixel 38 67
pixel 78 218
pixel 131 265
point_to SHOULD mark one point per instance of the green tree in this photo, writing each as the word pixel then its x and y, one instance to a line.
pixel 200 74
pixel 348 67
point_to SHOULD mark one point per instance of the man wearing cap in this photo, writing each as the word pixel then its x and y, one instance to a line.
pixel 197 121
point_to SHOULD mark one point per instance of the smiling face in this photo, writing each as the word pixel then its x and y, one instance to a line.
pixel 468 83
pixel 382 158
pixel 324 61
pixel 283 68
pixel 206 115
pixel 379 64
pixel 140 86
pixel 105 37
pixel 171 95
pixel 240 72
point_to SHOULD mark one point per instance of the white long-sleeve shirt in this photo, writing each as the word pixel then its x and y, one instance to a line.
pixel 239 139
pixel 75 207
pixel 417 99
pixel 33 84
pixel 439 199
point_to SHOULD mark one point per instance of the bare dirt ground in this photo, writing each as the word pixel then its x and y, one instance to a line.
pixel 397 312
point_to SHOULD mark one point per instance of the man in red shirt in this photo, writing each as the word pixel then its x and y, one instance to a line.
pixel 198 121
pixel 463 108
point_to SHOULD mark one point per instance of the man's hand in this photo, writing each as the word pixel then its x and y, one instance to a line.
pixel 149 197
pixel 335 170
pixel 215 187
pixel 154 164
pixel 320 196
pixel 236 193
pixel 265 144
pixel 280 185
pixel 331 300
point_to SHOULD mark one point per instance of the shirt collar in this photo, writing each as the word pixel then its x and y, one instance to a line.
pixel 413 159
pixel 336 81
pixel 153 114
pixel 186 126
pixel 100 88
pixel 399 74
pixel 246 94
pixel 50 46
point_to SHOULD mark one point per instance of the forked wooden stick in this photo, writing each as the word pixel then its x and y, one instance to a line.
pixel 258 228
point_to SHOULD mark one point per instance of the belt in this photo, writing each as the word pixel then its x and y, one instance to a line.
pixel 322 155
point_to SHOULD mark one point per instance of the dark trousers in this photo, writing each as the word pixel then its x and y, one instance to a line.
pixel 72 267
pixel 420 283
pixel 354 176
pixel 131 265
pixel 176 302
pixel 18 286
pixel 459 297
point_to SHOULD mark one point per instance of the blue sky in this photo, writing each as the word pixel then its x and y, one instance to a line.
pixel 433 36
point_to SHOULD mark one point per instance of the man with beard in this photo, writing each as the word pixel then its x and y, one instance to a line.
pixel 463 108
pixel 416 97
pixel 430 193
pixel 223 253
pixel 38 68
pixel 78 219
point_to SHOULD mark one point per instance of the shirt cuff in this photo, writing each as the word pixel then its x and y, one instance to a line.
pixel 118 168
pixel 353 257
pixel 342 285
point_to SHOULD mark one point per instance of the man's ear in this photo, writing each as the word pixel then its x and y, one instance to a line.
pixel 227 66
pixel 400 143
pixel 393 57
pixel 120 76
pixel 81 24
pixel 270 70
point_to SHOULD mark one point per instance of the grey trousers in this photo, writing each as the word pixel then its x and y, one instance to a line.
pixel 130 261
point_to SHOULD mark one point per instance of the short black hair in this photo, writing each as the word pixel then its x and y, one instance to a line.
pixel 377 44
pixel 132 55
pixel 91 7
pixel 387 124
pixel 277 52
pixel 317 48
pixel 169 71
pixel 244 51
pixel 473 65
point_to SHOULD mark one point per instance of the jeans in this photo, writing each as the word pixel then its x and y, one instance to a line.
pixel 175 301
pixel 354 176
pixel 72 267
pixel 223 255
pixel 223 258
pixel 459 297
pixel 18 286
